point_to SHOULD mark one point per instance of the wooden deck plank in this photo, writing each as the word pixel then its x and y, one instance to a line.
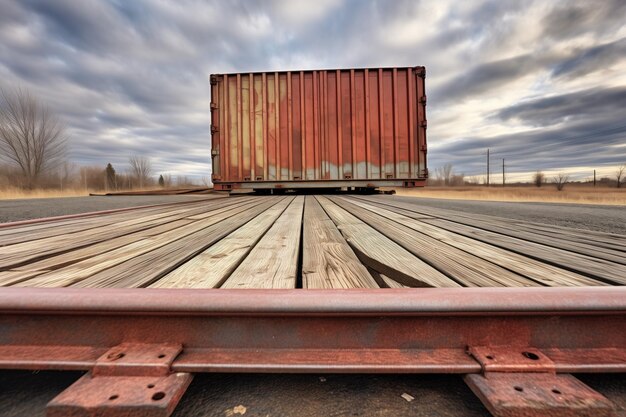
pixel 147 268
pixel 90 266
pixel 22 253
pixel 516 230
pixel 465 268
pixel 573 242
pixel 383 281
pixel 382 254
pixel 210 268
pixel 538 271
pixel 341 241
pixel 327 259
pixel 609 241
pixel 96 224
pixel 273 263
pixel 45 265
pixel 389 283
pixel 592 267
pixel 26 233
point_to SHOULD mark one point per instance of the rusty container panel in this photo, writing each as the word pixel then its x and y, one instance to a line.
pixel 319 129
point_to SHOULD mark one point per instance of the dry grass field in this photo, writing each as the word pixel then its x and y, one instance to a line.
pixel 573 193
pixel 14 193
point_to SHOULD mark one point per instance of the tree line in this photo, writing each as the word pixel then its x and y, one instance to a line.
pixel 33 153
pixel 445 176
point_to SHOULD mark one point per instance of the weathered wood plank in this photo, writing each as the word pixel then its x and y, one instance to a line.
pixel 538 271
pixel 327 259
pixel 611 250
pixel 384 281
pixel 607 240
pixel 210 268
pixel 90 266
pixel 23 253
pixel 273 263
pixel 26 233
pixel 517 231
pixel 147 268
pixel 389 283
pixel 66 259
pixel 592 267
pixel 465 268
pixel 382 254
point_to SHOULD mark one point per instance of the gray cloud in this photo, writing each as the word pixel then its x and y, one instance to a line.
pixel 574 18
pixel 132 77
pixel 541 149
pixel 481 78
pixel 593 104
pixel 591 59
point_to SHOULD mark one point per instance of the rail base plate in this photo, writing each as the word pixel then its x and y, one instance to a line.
pixel 538 394
pixel 115 396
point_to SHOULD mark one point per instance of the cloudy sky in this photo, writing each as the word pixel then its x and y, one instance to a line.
pixel 540 83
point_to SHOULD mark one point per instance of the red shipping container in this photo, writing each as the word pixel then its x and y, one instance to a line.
pixel 361 128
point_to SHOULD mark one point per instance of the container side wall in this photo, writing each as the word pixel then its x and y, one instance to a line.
pixel 328 125
pixel 246 138
pixel 259 128
pixel 333 148
pixel 284 137
pixel 374 125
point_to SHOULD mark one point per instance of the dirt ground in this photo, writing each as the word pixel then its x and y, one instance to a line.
pixel 24 393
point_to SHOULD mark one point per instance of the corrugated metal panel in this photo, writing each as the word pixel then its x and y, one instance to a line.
pixel 327 127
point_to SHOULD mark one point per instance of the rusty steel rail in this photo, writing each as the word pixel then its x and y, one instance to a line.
pixel 492 335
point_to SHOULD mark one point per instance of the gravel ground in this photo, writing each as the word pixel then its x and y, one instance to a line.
pixel 609 219
pixel 26 393
pixel 34 208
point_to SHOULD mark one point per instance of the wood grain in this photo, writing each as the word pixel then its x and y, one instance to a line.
pixel 382 254
pixel 328 261
pixel 209 269
pixel 273 263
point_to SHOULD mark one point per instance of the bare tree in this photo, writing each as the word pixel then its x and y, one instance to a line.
pixel 539 178
pixel 443 174
pixel 619 174
pixel 472 180
pixel 31 137
pixel 141 169
pixel 67 173
pixel 560 180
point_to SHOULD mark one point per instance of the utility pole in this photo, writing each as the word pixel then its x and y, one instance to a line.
pixel 594 177
pixel 503 180
pixel 487 167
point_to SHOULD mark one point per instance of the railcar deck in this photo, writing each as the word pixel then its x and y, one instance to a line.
pixel 311 242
